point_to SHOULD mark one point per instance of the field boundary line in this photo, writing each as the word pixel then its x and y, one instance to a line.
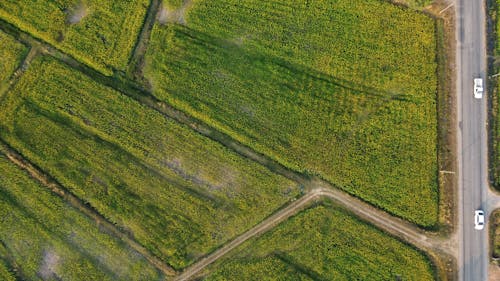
pixel 84 208
pixel 32 52
pixel 136 60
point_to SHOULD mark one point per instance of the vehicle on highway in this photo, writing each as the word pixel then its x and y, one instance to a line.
pixel 478 88
pixel 479 219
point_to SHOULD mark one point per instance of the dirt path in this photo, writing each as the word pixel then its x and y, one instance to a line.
pixel 397 227
pixel 74 201
pixel 315 188
pixel 264 226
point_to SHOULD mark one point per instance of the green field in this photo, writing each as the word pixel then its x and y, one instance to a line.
pixel 101 34
pixel 11 54
pixel 179 194
pixel 342 89
pixel 323 243
pixel 49 240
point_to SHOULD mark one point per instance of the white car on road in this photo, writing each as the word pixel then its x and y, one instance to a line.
pixel 479 219
pixel 478 88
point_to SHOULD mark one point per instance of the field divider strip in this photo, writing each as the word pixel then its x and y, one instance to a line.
pixel 77 203
pixel 139 51
pixel 33 52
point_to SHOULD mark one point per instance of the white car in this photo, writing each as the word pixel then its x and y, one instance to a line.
pixel 479 219
pixel 478 88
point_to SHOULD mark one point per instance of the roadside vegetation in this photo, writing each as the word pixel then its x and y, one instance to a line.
pixel 495 231
pixel 11 55
pixel 101 34
pixel 49 240
pixel 341 89
pixel 493 65
pixel 177 193
pixel 323 242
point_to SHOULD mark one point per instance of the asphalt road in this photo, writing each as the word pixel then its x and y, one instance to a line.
pixel 472 139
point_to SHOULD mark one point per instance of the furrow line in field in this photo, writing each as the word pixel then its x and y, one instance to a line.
pixel 77 203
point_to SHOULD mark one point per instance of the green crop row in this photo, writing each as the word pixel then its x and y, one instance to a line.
pixel 323 243
pixel 11 54
pixel 342 89
pixel 49 240
pixel 100 33
pixel 5 273
pixel 179 194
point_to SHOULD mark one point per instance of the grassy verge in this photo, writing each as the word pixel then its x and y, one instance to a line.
pixel 495 233
pixel 343 90
pixel 101 34
pixel 51 240
pixel 323 242
pixel 179 194
pixel 493 68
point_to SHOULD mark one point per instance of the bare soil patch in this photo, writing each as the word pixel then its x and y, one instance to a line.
pixel 76 13
pixel 167 16
pixel 49 264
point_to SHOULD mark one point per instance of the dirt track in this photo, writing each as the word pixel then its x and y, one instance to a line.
pixel 384 221
pixel 317 189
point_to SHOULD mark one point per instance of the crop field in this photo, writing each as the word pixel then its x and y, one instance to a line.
pixel 100 33
pixel 49 240
pixel 341 89
pixel 11 54
pixel 177 193
pixel 323 242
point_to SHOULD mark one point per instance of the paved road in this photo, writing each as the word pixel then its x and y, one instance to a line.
pixel 472 139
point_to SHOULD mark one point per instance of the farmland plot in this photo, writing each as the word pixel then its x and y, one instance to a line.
pixel 50 240
pixel 342 89
pixel 323 243
pixel 179 194
pixel 11 54
pixel 100 33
